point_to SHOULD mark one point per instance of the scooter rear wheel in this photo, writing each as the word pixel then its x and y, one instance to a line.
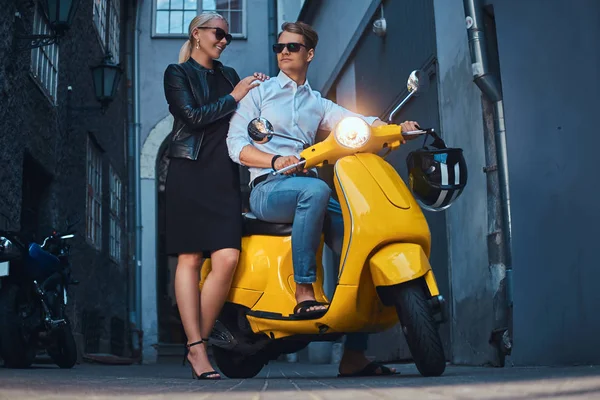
pixel 238 366
pixel 420 329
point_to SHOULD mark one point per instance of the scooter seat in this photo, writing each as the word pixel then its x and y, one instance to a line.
pixel 255 226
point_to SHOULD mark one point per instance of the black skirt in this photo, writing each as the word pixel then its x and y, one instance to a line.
pixel 203 201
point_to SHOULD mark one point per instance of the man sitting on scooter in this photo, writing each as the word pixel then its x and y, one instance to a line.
pixel 296 110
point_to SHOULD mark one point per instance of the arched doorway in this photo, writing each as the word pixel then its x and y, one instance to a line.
pixel 170 329
pixel 154 276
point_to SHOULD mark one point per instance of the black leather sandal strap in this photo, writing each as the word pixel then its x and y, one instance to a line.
pixel 195 343
pixel 207 375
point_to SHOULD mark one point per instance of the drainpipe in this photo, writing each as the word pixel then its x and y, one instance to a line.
pixel 133 155
pixel 137 148
pixel 130 187
pixel 273 28
pixel 500 237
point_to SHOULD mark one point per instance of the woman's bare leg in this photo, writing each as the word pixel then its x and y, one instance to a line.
pixel 199 311
pixel 216 287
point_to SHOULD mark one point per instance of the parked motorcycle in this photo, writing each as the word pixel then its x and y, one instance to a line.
pixel 34 281
pixel 384 273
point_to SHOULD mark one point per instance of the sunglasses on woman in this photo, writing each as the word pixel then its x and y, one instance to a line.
pixel 219 33
pixel 292 47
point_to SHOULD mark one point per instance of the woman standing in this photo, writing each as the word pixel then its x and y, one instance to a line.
pixel 203 204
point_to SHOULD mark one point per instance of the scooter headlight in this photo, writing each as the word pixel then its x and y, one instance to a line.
pixel 352 132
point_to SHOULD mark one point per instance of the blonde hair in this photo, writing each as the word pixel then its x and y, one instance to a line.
pixel 200 20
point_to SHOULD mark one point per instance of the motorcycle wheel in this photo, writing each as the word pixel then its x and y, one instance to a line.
pixel 16 347
pixel 64 351
pixel 237 366
pixel 420 329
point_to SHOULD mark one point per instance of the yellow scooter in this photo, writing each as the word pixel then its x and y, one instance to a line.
pixel 384 273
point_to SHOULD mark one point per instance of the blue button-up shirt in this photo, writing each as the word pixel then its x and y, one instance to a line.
pixel 293 110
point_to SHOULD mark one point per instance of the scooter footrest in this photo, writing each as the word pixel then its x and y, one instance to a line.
pixel 278 316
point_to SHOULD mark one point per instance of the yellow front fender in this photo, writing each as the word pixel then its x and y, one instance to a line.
pixel 402 262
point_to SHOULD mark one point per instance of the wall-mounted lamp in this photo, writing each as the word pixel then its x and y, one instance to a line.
pixel 380 25
pixel 106 77
pixel 59 13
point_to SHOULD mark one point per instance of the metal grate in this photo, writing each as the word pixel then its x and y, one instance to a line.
pixel 117 336
pixel 92 327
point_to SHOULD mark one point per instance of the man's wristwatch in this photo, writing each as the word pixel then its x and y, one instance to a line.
pixel 275 157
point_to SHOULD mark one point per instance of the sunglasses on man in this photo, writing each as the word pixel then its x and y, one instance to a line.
pixel 292 47
pixel 219 33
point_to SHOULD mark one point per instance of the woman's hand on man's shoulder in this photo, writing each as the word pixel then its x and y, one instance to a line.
pixel 247 84
pixel 260 76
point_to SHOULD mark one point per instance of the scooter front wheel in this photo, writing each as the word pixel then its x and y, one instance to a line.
pixel 419 327
pixel 238 366
pixel 64 350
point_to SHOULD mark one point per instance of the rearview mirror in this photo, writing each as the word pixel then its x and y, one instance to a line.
pixel 260 130
pixel 71 221
pixel 418 82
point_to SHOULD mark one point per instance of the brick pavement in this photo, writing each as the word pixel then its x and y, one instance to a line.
pixel 297 381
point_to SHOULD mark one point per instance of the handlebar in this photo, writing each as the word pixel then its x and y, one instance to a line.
pixel 427 131
pixel 289 167
pixel 420 132
pixel 55 236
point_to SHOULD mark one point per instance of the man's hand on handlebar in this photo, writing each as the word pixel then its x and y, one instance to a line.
pixel 285 161
pixel 406 126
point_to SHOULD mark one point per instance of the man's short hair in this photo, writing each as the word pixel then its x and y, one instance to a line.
pixel 311 38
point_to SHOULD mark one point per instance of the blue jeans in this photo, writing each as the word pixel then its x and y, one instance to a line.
pixel 304 202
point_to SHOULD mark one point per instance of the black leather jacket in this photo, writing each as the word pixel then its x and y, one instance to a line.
pixel 186 90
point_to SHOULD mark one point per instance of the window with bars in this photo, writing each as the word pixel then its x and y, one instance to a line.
pixel 44 60
pixel 114 29
pixel 94 195
pixel 99 15
pixel 115 216
pixel 173 17
pixel 106 15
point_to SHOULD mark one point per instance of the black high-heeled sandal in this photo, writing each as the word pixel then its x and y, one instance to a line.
pixel 205 375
